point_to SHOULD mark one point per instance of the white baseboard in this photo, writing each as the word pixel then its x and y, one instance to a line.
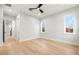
pixel 31 38
pixel 1 44
pixel 72 43
pixel 68 42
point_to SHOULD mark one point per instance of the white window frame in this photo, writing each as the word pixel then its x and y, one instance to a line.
pixel 75 27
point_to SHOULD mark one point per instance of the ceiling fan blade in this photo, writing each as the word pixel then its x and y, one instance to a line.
pixel 32 9
pixel 9 5
pixel 41 11
pixel 39 5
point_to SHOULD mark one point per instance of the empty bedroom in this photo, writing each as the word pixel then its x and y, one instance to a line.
pixel 39 29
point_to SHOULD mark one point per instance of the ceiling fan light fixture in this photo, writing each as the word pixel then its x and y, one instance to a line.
pixel 9 5
pixel 38 8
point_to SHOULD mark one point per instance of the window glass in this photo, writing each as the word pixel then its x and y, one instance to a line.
pixel 69 24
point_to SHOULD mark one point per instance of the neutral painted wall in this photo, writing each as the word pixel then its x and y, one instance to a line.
pixel 54 26
pixel 27 27
pixel 1 24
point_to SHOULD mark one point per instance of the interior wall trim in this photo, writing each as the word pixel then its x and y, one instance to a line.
pixel 1 44
pixel 27 39
pixel 66 42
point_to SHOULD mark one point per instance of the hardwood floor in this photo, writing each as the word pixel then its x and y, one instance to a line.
pixel 37 47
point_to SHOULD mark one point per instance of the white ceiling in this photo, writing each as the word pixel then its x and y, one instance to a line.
pixel 48 9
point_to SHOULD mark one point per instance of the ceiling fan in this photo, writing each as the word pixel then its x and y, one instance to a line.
pixel 38 8
pixel 9 5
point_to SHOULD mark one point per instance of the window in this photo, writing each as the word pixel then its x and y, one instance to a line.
pixel 43 26
pixel 69 25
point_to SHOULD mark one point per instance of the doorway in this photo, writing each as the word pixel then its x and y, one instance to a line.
pixel 8 28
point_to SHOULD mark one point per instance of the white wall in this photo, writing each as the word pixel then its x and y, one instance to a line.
pixel 54 26
pixel 1 24
pixel 27 27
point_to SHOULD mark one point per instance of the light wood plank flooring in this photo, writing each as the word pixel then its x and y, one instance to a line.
pixel 37 47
